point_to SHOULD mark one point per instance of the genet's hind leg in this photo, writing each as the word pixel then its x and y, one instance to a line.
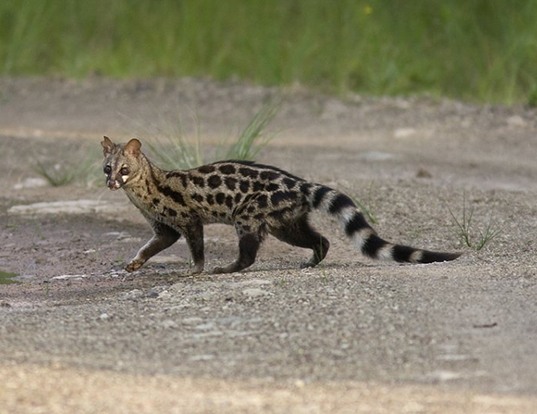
pixel 300 233
pixel 248 247
pixel 194 237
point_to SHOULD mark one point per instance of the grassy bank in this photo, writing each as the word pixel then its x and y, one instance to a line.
pixel 482 50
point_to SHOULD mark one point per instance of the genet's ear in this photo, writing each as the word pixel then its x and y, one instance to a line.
pixel 133 147
pixel 108 146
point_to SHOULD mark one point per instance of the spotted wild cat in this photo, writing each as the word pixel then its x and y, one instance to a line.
pixel 256 199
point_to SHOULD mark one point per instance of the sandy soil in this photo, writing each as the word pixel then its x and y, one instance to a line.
pixel 79 335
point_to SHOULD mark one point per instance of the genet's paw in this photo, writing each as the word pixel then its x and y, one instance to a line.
pixel 134 265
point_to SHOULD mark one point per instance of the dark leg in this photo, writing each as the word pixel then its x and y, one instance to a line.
pixel 301 234
pixel 194 238
pixel 248 247
pixel 164 236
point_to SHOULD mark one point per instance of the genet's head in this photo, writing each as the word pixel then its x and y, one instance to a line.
pixel 121 162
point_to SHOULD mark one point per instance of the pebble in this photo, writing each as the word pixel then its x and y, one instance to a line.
pixel 132 294
pixel 255 292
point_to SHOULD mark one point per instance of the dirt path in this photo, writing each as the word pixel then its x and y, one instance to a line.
pixel 78 334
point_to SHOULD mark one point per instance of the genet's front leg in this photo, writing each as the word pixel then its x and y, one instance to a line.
pixel 163 238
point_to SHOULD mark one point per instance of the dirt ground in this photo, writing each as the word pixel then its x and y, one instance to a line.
pixel 78 334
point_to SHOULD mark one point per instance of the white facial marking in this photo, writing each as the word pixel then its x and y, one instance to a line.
pixel 124 178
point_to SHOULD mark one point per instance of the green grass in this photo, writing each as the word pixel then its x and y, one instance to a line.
pixel 466 230
pixel 479 50
pixel 254 136
pixel 81 167
pixel 6 278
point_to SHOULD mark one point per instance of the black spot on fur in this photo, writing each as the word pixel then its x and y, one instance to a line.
pixel 248 172
pixel 262 201
pixel 227 169
pixel 176 174
pixel 220 198
pixel 244 186
pixel 230 182
pixel 170 212
pixel 238 198
pixel 258 186
pixel 156 201
pixel 355 224
pixel 305 189
pixel 197 197
pixel 206 169
pixel 174 195
pixel 272 187
pixel 171 174
pixel 229 202
pixel 289 183
pixel 339 203
pixel 269 175
pixel 319 195
pixel 214 181
pixel 210 199
pixel 280 196
pixel 199 181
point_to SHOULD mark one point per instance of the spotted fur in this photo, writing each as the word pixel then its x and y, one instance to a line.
pixel 256 199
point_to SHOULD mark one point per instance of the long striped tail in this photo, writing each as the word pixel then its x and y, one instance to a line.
pixel 362 234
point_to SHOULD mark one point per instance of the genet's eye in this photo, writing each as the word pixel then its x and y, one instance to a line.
pixel 124 171
pixel 107 169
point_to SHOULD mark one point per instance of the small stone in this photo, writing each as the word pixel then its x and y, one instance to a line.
pixel 152 294
pixel 255 292
pixel 132 294
pixel 165 295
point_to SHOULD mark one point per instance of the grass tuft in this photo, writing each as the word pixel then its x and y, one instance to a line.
pixel 173 150
pixel 466 232
pixel 254 137
pixel 60 174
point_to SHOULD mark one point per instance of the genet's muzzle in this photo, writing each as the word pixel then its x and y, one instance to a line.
pixel 113 184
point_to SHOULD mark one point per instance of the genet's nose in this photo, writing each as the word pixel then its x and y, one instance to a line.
pixel 112 184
